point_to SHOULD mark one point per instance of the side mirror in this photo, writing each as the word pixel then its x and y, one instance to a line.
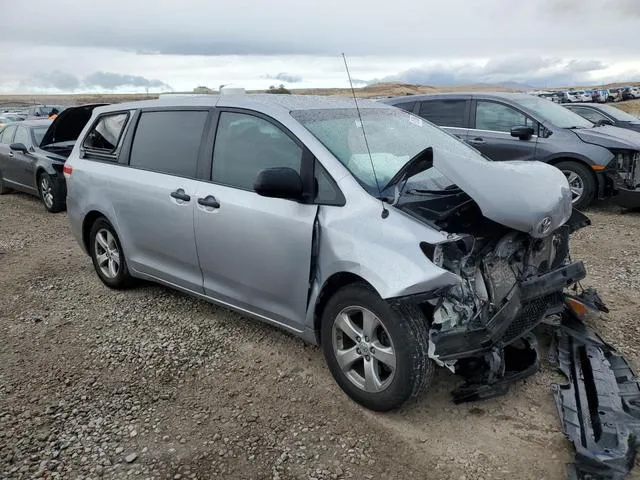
pixel 18 147
pixel 522 132
pixel 279 182
pixel 604 121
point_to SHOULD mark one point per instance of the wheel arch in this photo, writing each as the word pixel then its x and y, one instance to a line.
pixel 88 221
pixel 39 171
pixel 42 168
pixel 334 283
pixel 554 161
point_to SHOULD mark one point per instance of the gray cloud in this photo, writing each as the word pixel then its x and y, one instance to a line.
pixel 112 81
pixel 533 71
pixel 284 77
pixel 578 66
pixel 55 79
pixel 581 8
pixel 518 65
pixel 105 80
pixel 463 29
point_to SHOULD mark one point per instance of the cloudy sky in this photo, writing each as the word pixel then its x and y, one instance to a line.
pixel 133 45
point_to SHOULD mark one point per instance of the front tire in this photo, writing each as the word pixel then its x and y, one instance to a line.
pixel 581 181
pixel 107 256
pixel 51 193
pixel 376 352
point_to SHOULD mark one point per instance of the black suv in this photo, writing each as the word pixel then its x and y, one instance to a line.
pixel 598 161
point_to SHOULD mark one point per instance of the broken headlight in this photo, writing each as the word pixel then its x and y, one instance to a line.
pixel 449 254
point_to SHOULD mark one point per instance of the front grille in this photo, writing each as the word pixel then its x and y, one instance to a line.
pixel 532 314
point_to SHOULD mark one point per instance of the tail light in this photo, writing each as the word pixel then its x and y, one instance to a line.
pixel 67 170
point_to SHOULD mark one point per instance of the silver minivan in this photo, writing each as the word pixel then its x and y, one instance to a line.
pixel 369 231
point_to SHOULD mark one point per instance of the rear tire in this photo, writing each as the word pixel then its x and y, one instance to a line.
pixel 51 193
pixel 581 181
pixel 376 352
pixel 107 255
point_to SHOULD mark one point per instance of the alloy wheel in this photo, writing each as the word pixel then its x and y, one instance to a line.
pixel 576 185
pixel 46 190
pixel 363 349
pixel 107 253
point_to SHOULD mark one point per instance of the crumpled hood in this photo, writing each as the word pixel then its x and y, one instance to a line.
pixel 531 197
pixel 609 136
pixel 68 124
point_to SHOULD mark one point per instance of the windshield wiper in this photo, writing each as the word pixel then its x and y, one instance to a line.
pixel 416 164
pixel 449 189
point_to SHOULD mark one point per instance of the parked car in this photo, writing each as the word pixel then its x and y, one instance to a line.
pixel 42 111
pixel 270 205
pixel 630 93
pixel 511 126
pixel 33 152
pixel 615 94
pixel 6 119
pixel 606 115
pixel 599 96
pixel 585 95
pixel 571 97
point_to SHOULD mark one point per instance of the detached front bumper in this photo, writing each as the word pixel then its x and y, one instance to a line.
pixel 627 198
pixel 526 306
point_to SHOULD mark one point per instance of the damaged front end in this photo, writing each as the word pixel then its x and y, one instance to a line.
pixel 509 282
pixel 626 179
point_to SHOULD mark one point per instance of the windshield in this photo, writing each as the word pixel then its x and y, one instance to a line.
pixel 38 134
pixel 394 137
pixel 617 113
pixel 553 113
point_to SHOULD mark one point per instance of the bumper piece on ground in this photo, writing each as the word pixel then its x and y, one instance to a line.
pixel 627 198
pixel 491 376
pixel 599 406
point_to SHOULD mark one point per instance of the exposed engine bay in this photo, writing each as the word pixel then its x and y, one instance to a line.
pixel 482 327
pixel 509 282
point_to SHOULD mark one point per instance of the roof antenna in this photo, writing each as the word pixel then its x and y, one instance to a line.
pixel 385 212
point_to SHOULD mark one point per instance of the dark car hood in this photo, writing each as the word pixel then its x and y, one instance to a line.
pixel 68 124
pixel 610 137
pixel 630 125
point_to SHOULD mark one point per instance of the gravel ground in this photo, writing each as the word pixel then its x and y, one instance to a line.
pixel 151 383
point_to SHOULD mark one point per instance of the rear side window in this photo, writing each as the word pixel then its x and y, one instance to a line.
pixel 408 106
pixel 445 113
pixel 106 133
pixel 245 145
pixel 7 134
pixel 168 142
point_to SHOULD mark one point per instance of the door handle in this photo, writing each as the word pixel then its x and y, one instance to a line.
pixel 477 140
pixel 209 201
pixel 180 195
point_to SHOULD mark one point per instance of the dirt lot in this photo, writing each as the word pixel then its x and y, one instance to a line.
pixel 153 384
